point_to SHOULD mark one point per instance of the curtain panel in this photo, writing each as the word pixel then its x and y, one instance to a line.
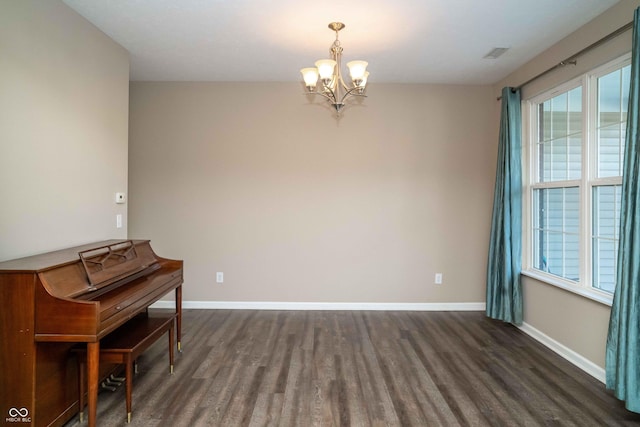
pixel 623 340
pixel 504 290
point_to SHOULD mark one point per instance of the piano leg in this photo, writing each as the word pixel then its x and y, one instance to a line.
pixel 93 362
pixel 179 317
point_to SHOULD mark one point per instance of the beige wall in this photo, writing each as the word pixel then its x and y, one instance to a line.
pixel 63 129
pixel 296 206
pixel 574 321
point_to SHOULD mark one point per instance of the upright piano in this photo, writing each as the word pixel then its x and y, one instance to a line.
pixel 51 302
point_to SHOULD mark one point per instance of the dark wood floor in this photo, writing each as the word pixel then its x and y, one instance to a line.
pixel 362 368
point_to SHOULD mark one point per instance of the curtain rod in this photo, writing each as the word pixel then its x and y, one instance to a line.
pixel 572 58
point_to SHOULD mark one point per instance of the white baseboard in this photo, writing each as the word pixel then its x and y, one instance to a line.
pixel 580 361
pixel 272 305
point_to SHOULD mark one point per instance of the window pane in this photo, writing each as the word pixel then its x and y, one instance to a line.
pixel 613 97
pixel 559 116
pixel 575 156
pixel 575 111
pixel 606 232
pixel 556 231
pixel 560 137
pixel 609 99
pixel 626 84
pixel 611 150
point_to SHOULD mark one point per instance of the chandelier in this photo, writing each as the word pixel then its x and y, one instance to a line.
pixel 333 87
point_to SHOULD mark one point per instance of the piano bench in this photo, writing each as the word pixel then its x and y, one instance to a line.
pixel 124 345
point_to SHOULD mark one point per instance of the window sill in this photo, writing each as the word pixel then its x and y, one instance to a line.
pixel 592 294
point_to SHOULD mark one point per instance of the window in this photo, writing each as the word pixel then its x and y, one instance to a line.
pixel 575 136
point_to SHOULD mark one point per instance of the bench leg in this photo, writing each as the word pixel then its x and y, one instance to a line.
pixel 171 333
pixel 81 384
pixel 129 383
pixel 179 316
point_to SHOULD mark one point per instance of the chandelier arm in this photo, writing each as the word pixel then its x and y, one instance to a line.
pixel 336 54
pixel 350 93
pixel 333 96
pixel 323 94
pixel 344 85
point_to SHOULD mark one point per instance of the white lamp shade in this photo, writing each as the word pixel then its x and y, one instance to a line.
pixel 357 69
pixel 325 68
pixel 310 76
pixel 363 83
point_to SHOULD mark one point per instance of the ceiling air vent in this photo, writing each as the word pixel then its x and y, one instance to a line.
pixel 496 52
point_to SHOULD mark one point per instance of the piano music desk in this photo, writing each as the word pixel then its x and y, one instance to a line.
pixel 124 345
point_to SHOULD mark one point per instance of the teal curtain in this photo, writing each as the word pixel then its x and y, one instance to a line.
pixel 504 291
pixel 623 341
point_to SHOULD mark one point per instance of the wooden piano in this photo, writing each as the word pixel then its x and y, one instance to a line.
pixel 51 302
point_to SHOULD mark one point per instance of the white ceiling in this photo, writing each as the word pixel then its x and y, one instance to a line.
pixel 405 41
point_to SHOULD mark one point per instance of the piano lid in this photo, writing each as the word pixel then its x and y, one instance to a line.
pixel 55 259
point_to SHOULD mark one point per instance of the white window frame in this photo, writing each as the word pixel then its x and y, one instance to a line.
pixel 588 81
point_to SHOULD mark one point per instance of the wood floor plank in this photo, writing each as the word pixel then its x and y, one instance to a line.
pixel 363 368
pixel 375 392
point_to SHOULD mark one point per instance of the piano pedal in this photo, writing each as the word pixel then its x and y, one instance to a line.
pixel 115 379
pixel 105 386
pixel 111 383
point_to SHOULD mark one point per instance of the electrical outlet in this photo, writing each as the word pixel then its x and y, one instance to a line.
pixel 438 279
pixel 219 277
pixel 119 221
